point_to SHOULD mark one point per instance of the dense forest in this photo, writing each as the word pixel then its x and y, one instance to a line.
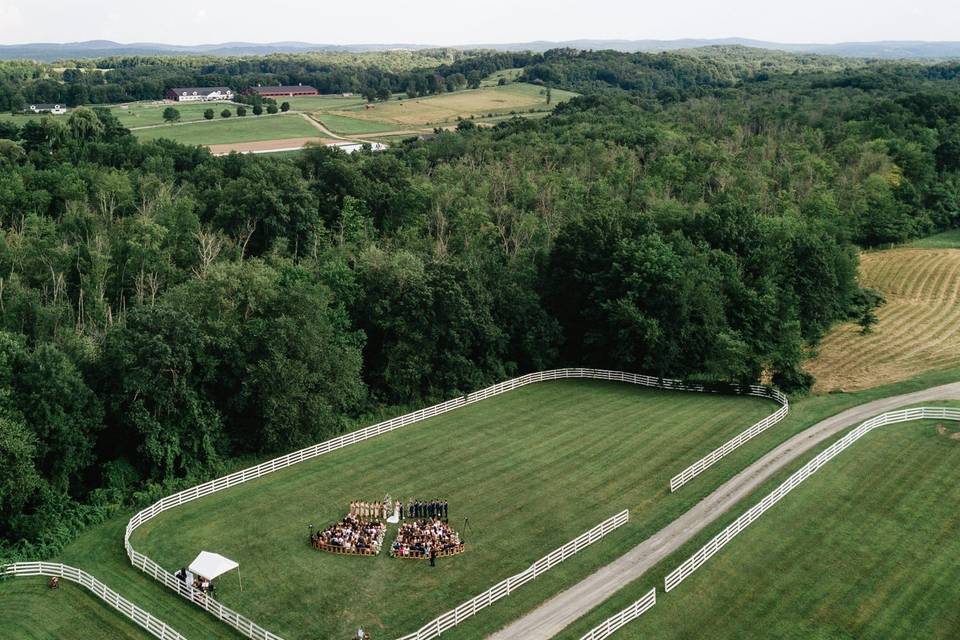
pixel 165 314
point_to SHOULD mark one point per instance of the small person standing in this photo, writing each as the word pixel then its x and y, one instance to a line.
pixel 433 555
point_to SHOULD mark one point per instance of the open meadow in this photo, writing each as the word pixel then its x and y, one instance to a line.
pixel 30 610
pixel 918 328
pixel 865 548
pixel 234 130
pixel 531 470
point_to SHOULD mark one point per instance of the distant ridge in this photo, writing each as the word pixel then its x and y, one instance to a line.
pixel 50 51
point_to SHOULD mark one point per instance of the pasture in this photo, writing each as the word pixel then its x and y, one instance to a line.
pixel 29 610
pixel 530 470
pixel 445 109
pixel 865 548
pixel 919 326
pixel 234 130
pixel 145 114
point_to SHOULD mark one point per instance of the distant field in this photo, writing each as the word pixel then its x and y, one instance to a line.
pixel 234 129
pixel 919 328
pixel 353 126
pixel 446 108
pixel 140 114
pixel 509 74
pixel 866 548
pixel 530 469
pixel 310 104
pixel 146 114
pixel 29 610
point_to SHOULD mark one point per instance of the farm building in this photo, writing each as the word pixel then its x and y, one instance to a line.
pixel 280 90
pixel 199 94
pixel 54 109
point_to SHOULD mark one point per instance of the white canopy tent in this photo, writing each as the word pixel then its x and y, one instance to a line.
pixel 210 565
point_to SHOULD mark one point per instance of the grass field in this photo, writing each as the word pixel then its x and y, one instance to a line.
pixel 346 125
pixel 919 328
pixel 531 469
pixel 866 548
pixel 141 114
pixel 146 114
pixel 99 551
pixel 310 104
pixel 446 108
pixel 233 130
pixel 29 610
pixel 946 240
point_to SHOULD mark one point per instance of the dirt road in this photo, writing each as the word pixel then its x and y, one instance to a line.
pixel 552 616
pixel 264 146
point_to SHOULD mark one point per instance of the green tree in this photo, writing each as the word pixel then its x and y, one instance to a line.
pixel 241 111
pixel 208 114
pixel 272 108
pixel 152 372
pixel 170 114
pixel 257 110
pixel 226 113
pixel 284 106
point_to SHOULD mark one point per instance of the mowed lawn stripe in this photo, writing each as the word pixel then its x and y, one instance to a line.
pixel 30 610
pixel 531 469
pixel 866 548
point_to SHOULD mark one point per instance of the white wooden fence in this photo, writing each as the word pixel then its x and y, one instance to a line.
pixel 247 626
pixel 504 588
pixel 682 572
pixel 702 464
pixel 614 622
pixel 152 624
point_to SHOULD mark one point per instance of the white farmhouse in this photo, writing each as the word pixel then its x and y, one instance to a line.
pixel 199 94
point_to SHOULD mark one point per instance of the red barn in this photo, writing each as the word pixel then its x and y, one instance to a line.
pixel 281 91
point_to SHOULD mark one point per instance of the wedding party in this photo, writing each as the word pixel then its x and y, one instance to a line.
pixel 424 531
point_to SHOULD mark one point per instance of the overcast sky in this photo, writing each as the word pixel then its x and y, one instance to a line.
pixel 489 21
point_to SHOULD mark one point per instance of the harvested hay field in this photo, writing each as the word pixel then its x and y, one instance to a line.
pixel 519 98
pixel 919 328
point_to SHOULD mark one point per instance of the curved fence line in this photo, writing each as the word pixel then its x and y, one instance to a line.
pixel 614 622
pixel 694 562
pixel 710 459
pixel 250 628
pixel 152 624
pixel 505 587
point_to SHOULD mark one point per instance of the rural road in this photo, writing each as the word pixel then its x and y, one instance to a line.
pixel 554 615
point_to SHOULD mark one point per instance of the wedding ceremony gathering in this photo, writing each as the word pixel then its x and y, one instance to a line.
pixel 423 531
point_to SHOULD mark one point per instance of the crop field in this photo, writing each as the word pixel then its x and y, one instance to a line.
pixel 919 327
pixel 29 610
pixel 234 130
pixel 446 108
pixel 866 548
pixel 531 470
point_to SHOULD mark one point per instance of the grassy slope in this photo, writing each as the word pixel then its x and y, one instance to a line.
pixel 531 470
pixel 866 548
pixel 235 129
pixel 918 325
pixel 946 240
pixel 29 610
